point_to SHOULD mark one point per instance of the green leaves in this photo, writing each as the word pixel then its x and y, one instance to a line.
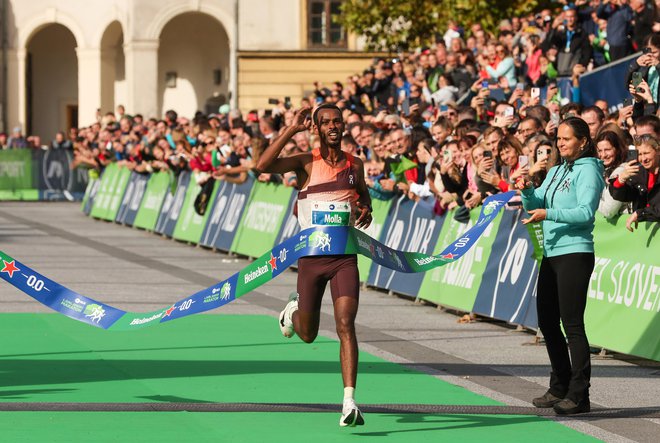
pixel 399 25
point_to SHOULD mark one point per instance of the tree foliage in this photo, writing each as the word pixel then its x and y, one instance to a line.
pixel 393 25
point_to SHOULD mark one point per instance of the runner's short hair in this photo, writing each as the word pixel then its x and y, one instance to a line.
pixel 315 114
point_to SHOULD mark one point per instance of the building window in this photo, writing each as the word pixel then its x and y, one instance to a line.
pixel 322 32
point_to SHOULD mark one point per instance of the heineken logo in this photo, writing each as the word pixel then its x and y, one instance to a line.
pixel 261 270
pixel 364 244
pixel 141 321
pixel 425 261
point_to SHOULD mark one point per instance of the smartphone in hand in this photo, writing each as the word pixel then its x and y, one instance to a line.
pixel 542 153
pixel 535 93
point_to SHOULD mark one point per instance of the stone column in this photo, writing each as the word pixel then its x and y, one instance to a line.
pixel 142 77
pixel 89 84
pixel 16 93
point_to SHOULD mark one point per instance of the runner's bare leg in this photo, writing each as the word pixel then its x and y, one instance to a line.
pixel 345 312
pixel 306 325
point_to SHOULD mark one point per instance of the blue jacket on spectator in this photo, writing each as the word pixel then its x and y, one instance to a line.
pixel 619 19
pixel 570 194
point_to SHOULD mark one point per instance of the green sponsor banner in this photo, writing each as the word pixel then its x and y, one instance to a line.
pixel 624 293
pixel 102 199
pixel 108 199
pixel 379 214
pixel 190 225
pixel 457 284
pixel 16 181
pixel 157 187
pixel 117 193
pixel 262 218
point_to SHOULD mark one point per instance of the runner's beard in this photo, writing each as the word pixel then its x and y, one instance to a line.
pixel 334 143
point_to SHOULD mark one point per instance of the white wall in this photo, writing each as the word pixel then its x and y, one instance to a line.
pixel 269 25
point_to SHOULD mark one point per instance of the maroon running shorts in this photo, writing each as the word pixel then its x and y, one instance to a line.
pixel 315 272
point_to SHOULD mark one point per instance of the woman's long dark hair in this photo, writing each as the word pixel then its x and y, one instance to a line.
pixel 619 147
pixel 580 130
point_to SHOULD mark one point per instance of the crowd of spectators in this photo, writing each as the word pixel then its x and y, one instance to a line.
pixel 449 124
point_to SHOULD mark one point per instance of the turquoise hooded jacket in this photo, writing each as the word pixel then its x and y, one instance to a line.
pixel 570 194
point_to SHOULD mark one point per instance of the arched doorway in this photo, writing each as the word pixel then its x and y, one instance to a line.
pixel 113 68
pixel 51 81
pixel 193 63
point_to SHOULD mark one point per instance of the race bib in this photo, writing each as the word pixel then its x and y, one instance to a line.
pixel 331 213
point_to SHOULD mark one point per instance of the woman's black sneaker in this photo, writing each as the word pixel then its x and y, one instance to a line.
pixel 569 407
pixel 546 401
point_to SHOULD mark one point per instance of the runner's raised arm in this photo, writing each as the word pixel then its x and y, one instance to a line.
pixel 269 161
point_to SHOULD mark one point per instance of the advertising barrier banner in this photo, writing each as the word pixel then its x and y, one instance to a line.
pixel 106 187
pixel 456 285
pixel 154 196
pixel 190 225
pixel 132 198
pixel 380 210
pixel 171 208
pixel 90 194
pixel 226 210
pixel 117 192
pixel 290 226
pixel 624 293
pixel 410 226
pixel 508 286
pixel 262 220
pixel 16 175
pixel 55 178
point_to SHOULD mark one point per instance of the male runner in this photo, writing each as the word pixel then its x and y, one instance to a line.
pixel 327 177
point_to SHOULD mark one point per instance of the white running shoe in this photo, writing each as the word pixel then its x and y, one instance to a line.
pixel 351 415
pixel 286 316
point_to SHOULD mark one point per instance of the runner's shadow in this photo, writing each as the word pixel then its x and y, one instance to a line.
pixel 172 348
pixel 35 372
pixel 440 422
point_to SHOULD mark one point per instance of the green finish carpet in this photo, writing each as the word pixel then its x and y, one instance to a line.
pixel 225 359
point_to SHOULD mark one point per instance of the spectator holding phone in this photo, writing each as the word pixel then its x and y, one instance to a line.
pixel 638 182
pixel 453 169
pixel 612 151
pixel 543 157
pixel 647 66
pixel 514 163
pixel 566 204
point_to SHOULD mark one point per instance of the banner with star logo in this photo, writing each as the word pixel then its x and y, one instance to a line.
pixel 330 240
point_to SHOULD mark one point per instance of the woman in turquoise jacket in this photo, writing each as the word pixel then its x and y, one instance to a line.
pixel 566 203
